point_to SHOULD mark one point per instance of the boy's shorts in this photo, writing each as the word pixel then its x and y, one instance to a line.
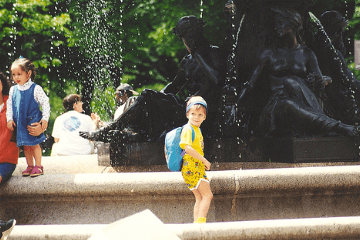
pixel 6 171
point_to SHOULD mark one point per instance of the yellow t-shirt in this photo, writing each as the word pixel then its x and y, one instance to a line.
pixel 186 139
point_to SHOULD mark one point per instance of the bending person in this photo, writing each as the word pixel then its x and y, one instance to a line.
pixel 154 113
pixel 293 73
pixel 124 96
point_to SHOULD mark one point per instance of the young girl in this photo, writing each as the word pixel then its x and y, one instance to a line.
pixel 23 110
pixel 194 164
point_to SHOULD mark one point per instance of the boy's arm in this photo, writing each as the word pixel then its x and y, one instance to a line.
pixel 193 153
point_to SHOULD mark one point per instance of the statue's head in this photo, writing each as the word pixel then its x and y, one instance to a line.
pixel 189 26
pixel 287 20
pixel 334 23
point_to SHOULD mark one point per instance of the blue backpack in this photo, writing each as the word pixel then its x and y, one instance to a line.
pixel 173 152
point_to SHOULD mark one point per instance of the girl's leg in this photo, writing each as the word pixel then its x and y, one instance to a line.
pixel 37 154
pixel 38 169
pixel 198 199
pixel 29 155
pixel 206 194
pixel 29 159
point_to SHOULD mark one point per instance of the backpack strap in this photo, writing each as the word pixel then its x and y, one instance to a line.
pixel 192 131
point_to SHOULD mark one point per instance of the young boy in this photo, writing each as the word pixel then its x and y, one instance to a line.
pixel 194 164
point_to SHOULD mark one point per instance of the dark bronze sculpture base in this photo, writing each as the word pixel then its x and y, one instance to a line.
pixel 284 150
pixel 310 150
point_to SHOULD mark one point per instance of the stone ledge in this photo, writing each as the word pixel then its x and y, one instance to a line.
pixel 306 228
pixel 238 195
pixel 241 182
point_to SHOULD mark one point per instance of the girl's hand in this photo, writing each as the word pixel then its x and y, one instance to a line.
pixel 44 124
pixel 11 124
pixel 207 164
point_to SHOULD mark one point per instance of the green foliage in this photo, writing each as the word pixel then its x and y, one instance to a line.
pixel 106 105
pixel 354 23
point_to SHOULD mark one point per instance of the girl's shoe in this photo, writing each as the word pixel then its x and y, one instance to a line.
pixel 28 170
pixel 36 171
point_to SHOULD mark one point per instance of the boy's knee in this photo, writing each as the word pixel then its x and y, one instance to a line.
pixel 208 196
pixel 211 196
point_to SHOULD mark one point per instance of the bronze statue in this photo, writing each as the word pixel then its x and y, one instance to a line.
pixel 154 113
pixel 292 71
pixel 343 95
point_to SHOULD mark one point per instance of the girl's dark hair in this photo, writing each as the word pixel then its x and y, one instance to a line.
pixel 26 65
pixel 69 101
pixel 6 84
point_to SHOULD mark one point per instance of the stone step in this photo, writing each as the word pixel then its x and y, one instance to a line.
pixel 96 164
pixel 239 195
pixel 339 228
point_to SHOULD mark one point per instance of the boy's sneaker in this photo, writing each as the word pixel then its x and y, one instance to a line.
pixel 27 171
pixel 36 171
pixel 6 228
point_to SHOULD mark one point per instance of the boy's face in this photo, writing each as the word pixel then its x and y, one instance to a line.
pixel 19 75
pixel 196 115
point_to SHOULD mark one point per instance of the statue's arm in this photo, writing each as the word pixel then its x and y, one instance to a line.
pixel 312 63
pixel 314 74
pixel 253 80
pixel 179 80
pixel 206 65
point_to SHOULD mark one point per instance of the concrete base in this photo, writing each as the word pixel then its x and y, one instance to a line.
pixel 283 150
pixel 304 150
pixel 238 195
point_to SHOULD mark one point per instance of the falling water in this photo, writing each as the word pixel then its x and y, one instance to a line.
pixel 232 72
pixel 337 58
pixel 102 54
pixel 231 77
pixel 201 8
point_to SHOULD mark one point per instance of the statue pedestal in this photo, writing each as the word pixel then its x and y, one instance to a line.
pixel 137 154
pixel 282 150
pixel 308 150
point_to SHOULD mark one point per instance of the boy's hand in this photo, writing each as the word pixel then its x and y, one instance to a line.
pixel 11 124
pixel 44 124
pixel 207 164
